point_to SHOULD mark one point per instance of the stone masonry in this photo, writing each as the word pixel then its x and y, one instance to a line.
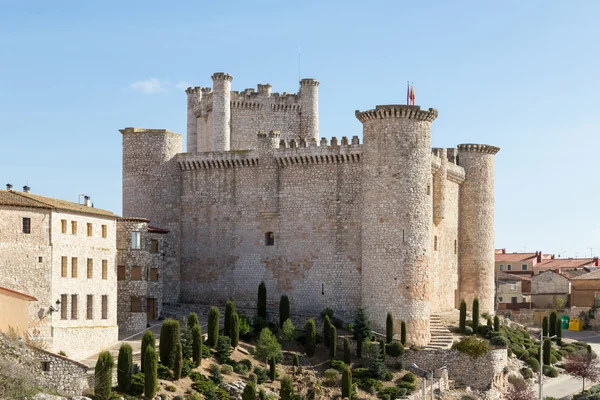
pixel 388 225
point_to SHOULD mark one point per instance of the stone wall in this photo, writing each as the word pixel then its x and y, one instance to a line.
pixel 583 292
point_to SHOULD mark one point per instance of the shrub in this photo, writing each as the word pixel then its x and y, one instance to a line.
pixel 500 341
pixel 228 318
pixel 240 369
pixel 249 392
pixel 244 325
pixel 376 365
pixel 409 386
pixel 362 330
pixel 534 364
pixel 326 326
pixel 170 388
pixel 468 331
pixel 547 351
pixel 223 349
pixel 234 330
pixel 463 317
pixel 527 373
pixel 332 341
pixel 267 346
pixel 186 343
pixel 124 367
pixel 216 377
pixel 169 337
pixel 259 323
pixel 552 323
pixel 347 357
pixel 360 373
pixel 311 337
pixel 475 314
pixel 192 320
pixel 558 331
pixel 213 326
pixel 403 333
pixel 150 372
pixel 261 375
pixel 391 392
pixel 284 310
pixel 163 372
pixel 287 389
pixel 246 362
pixel 409 377
pixel 186 368
pixel 545 326
pixel 490 324
pixel 382 347
pixel 196 344
pixel 347 383
pixel 389 328
pixel 553 359
pixel 228 369
pixel 103 375
pixel 178 366
pixel 472 346
pixel 261 305
pixel 147 340
pixel 369 384
pixel 137 384
pixel 497 323
pixel 550 371
pixel 288 331
pixel 272 369
pixel 331 377
pixel 394 349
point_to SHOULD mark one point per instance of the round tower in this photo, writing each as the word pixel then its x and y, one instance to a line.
pixel 396 217
pixel 476 225
pixel 221 110
pixel 309 119
pixel 194 95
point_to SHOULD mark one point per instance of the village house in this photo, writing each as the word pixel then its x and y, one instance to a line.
pixel 550 289
pixel 518 263
pixel 585 291
pixel 512 291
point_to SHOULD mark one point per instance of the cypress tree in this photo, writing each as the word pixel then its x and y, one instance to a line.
pixel 234 333
pixel 261 307
pixel 382 349
pixel 463 317
pixel 287 389
pixel 547 351
pixel 272 370
pixel 213 326
pixel 103 375
pixel 347 383
pixel 497 323
pixel 311 337
pixel 403 333
pixel 249 392
pixel 552 323
pixel 150 373
pixel 192 320
pixel 332 341
pixel 284 309
pixel 229 310
pixel 475 314
pixel 124 365
pixel 147 340
pixel 545 326
pixel 389 328
pixel 490 324
pixel 347 358
pixel 559 332
pixel 196 345
pixel 169 338
pixel 326 327
pixel 178 362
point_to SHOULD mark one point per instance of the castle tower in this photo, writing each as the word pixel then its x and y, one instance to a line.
pixel 439 188
pixel 397 215
pixel 476 226
pixel 221 108
pixel 309 120
pixel 194 95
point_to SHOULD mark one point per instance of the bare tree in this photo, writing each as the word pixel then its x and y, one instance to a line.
pixel 583 365
pixel 519 389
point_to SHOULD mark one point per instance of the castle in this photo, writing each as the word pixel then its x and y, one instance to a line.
pixel 390 225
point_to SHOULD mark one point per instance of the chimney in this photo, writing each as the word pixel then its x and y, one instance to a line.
pixel 539 256
pixel 503 251
pixel 26 189
pixel 86 201
pixel 8 186
pixel 595 261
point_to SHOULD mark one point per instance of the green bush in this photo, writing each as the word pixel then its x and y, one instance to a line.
pixel 337 364
pixel 196 344
pixel 169 337
pixel 347 357
pixel 147 340
pixel 150 372
pixel 192 320
pixel 326 326
pixel 267 346
pixel 311 337
pixel 545 326
pixel 500 341
pixel 519 352
pixel 389 328
pixel 394 349
pixel 409 377
pixel 261 375
pixel 272 369
pixel 550 371
pixel 163 372
pixel 124 367
pixel 331 376
pixel 284 310
pixel 552 323
pixel 463 317
pixel 228 369
pixel 534 364
pixel 249 392
pixel 382 347
pixel 403 333
pixel 259 323
pixel 490 324
pixel 553 359
pixel 223 350
pixel 347 383
pixel 216 377
pixel 332 341
pixel 241 369
pixel 296 361
pixel 369 384
pixel 137 384
pixel 475 314
pixel 178 366
pixel 472 346
pixel 103 375
pixel 558 331
pixel 547 351
pixel 391 392
pixel 186 368
pixel 497 323
pixel 327 312
pixel 409 386
pixel 228 319
pixel 527 373
pixel 234 331
pixel 376 365
pixel 288 331
pixel 360 373
pixel 170 388
pixel 287 389
pixel 213 326
pixel 261 305
pixel 246 362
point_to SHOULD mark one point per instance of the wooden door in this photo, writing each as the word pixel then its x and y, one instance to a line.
pixel 150 303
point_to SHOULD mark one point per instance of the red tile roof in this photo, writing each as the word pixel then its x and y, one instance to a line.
pixel 157 230
pixel 515 257
pixel 592 275
pixel 564 263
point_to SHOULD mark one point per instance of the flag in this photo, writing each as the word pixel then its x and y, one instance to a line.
pixel 407 93
pixel 412 95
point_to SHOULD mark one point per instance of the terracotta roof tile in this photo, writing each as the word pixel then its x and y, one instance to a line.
pixel 515 257
pixel 561 263
pixel 22 199
pixel 10 198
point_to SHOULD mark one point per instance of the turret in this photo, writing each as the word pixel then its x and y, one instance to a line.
pixel 309 118
pixel 396 217
pixel 439 188
pixel 476 225
pixel 221 109
pixel 268 141
pixel 194 95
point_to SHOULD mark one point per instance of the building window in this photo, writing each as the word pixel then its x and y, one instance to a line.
pixel 74 227
pixel 428 190
pixel 154 246
pixel 104 306
pixel 74 267
pixel 269 239
pixel 137 304
pixel 513 300
pixel 89 229
pixel 121 273
pixel 597 300
pixel 435 241
pixel 513 286
pixel 63 226
pixel 46 366
pixel 40 259
pixel 455 247
pixel 509 267
pixel 523 267
pixel 501 267
pixel 90 306
pixel 74 306
pixel 63 306
pixel 136 273
pixel 90 268
pixel 104 269
pixel 104 231
pixel 26 225
pixel 154 274
pixel 63 267
pixel 136 240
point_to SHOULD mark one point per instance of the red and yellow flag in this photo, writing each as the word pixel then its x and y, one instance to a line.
pixel 412 95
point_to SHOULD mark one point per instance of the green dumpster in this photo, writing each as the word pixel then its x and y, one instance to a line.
pixel 565 321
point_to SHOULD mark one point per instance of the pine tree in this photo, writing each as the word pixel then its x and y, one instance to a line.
pixel 389 328
pixel 150 373
pixel 229 310
pixel 147 340
pixel 347 383
pixel 362 330
pixel 545 326
pixel 284 309
pixel 463 317
pixel 287 389
pixel 169 338
pixel 552 323
pixel 376 365
pixel 403 333
pixel 311 337
pixel 326 327
pixel 261 307
pixel 234 333
pixel 382 349
pixel 272 369
pixel 124 365
pixel 196 344
pixel 347 358
pixel 213 326
pixel 497 323
pixel 103 375
pixel 475 314
pixel 332 341
pixel 178 362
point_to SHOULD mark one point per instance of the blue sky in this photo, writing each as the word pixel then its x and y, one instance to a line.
pixel 521 75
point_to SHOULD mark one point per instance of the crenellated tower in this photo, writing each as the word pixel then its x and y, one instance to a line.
pixel 194 97
pixel 396 216
pixel 221 110
pixel 309 117
pixel 476 225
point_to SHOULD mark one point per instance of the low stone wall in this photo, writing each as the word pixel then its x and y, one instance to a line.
pixel 62 374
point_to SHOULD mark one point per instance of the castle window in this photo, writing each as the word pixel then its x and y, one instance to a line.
pixel 63 226
pixel 455 246
pixel 154 274
pixel 26 225
pixel 136 304
pixel 90 306
pixel 104 269
pixel 74 227
pixel 89 229
pixel 136 240
pixel 104 231
pixel 121 273
pixel 104 306
pixel 74 310
pixel 269 239
pixel 90 268
pixel 63 306
pixel 63 267
pixel 523 267
pixel 435 243
pixel 136 273
pixel 153 246
pixel 74 267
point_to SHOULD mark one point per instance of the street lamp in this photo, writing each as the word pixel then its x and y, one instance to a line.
pixel 541 381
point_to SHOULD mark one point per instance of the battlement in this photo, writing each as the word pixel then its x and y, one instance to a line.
pixel 478 148
pixel 397 111
pixel 451 153
pixel 309 82
pixel 131 130
pixel 221 76
pixel 217 160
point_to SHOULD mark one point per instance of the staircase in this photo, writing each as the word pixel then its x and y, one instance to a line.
pixel 441 337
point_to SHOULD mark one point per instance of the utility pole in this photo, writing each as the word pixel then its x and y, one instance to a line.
pixel 591 249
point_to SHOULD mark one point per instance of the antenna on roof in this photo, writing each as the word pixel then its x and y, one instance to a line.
pixel 299 55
